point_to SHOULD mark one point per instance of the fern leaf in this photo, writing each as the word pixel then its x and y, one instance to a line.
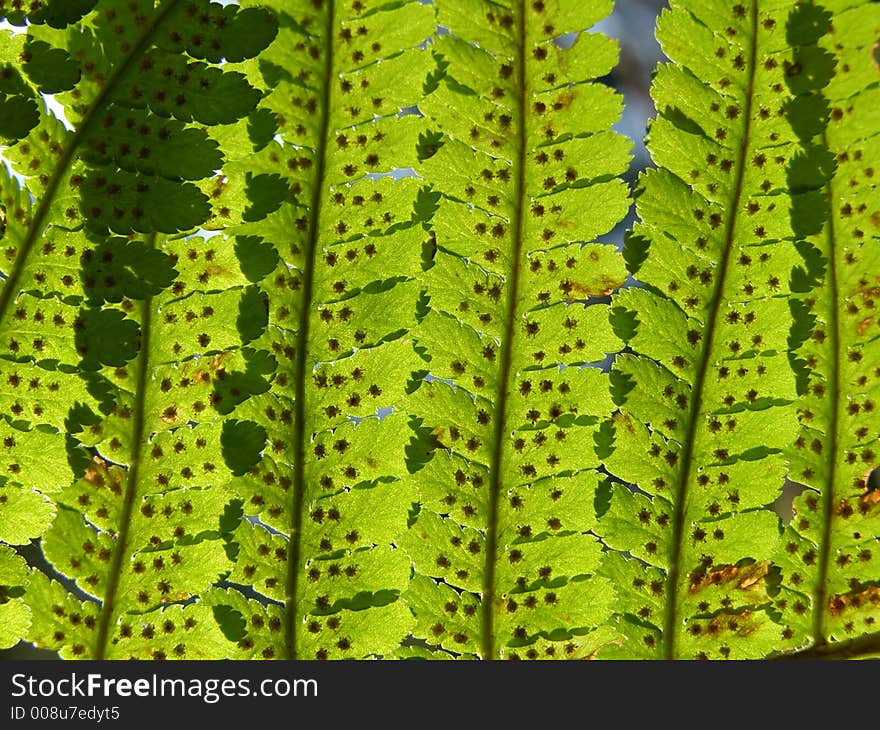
pixel 310 347
pixel 69 623
pixel 526 169
pixel 324 493
pixel 829 556
pixel 20 87
pixel 132 449
pixel 707 403
pixel 15 616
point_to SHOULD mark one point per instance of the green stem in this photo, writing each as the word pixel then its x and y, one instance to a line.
pixel 862 647
pixel 671 619
pixel 499 437
pixel 138 419
pixel 301 377
pixel 820 595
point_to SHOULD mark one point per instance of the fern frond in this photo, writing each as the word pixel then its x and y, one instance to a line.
pixel 324 492
pixel 527 174
pixel 829 556
pixel 311 346
pixel 130 337
pixel 707 401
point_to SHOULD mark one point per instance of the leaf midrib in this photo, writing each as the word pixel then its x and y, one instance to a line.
pixel 294 545
pixel 820 595
pixel 487 629
pixel 671 617
pixel 108 607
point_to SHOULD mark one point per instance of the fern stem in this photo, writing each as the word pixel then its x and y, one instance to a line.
pixel 9 292
pixel 294 545
pixel 131 483
pixel 820 597
pixel 487 617
pixel 671 618
pixel 861 647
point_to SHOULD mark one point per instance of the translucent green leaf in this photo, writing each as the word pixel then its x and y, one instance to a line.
pixel 176 632
pixel 190 92
pixel 183 152
pixel 242 443
pixel 128 269
pixel 55 13
pixel 214 32
pixel 13 569
pixel 107 378
pixel 26 513
pixel 46 468
pixel 312 345
pixel 108 337
pixel 526 166
pixel 60 621
pixel 315 212
pixel 135 203
pixel 707 402
pixel 828 555
pixel 15 617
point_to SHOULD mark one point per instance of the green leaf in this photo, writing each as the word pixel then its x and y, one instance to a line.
pixel 266 193
pixel 312 345
pixel 262 124
pixel 15 619
pixel 150 145
pixel 242 443
pixel 216 32
pixel 137 204
pixel 706 405
pixel 129 269
pixel 26 513
pixel 257 257
pixel 340 252
pixel 46 467
pixel 51 69
pixel 18 116
pixel 55 13
pixel 105 325
pixel 526 166
pixel 15 616
pixel 828 554
pixel 190 92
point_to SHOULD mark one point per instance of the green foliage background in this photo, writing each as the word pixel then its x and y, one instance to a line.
pixel 312 344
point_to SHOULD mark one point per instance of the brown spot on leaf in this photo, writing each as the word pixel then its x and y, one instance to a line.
pixel 748 577
pixel 862 326
pixel 622 419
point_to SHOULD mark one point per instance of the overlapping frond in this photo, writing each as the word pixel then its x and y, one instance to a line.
pixel 117 345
